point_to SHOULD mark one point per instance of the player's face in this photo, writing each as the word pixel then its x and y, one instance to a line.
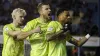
pixel 45 11
pixel 19 18
pixel 65 17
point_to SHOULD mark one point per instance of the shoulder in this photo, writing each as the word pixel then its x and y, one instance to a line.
pixel 7 27
pixel 54 22
pixel 32 22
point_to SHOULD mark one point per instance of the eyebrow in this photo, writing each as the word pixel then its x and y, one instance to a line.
pixel 22 16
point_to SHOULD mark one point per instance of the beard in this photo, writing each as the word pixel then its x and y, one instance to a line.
pixel 68 22
pixel 21 23
pixel 47 17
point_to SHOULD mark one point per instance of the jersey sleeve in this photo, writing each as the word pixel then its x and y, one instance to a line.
pixel 28 27
pixel 6 29
pixel 51 29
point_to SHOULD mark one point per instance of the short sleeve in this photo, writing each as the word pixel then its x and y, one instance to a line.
pixel 51 29
pixel 29 26
pixel 6 29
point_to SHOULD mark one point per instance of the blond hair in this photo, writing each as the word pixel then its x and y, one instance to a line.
pixel 18 10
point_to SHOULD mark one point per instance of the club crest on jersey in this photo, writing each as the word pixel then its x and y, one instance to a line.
pixel 6 28
pixel 50 29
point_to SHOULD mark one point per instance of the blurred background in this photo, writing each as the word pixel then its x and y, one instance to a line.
pixel 84 14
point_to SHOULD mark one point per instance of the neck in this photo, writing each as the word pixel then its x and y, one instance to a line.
pixel 43 19
pixel 62 23
pixel 15 24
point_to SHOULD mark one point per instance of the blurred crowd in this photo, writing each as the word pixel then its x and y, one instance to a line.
pixel 84 15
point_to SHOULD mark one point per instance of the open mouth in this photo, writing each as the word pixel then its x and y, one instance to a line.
pixel 49 14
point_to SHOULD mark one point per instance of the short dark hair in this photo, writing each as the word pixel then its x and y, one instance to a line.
pixel 60 10
pixel 40 5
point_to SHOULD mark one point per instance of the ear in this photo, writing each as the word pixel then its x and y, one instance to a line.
pixel 13 17
pixel 40 12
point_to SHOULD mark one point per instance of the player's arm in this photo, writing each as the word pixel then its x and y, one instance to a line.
pixel 23 35
pixel 28 30
pixel 54 36
pixel 13 33
pixel 52 32
pixel 83 39
pixel 9 31
pixel 79 42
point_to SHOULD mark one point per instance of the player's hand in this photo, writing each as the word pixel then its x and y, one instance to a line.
pixel 66 27
pixel 91 32
pixel 37 29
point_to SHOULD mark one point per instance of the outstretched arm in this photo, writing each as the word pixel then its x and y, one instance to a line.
pixel 79 42
pixel 13 33
pixel 23 35
pixel 54 36
pixel 9 31
pixel 82 40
